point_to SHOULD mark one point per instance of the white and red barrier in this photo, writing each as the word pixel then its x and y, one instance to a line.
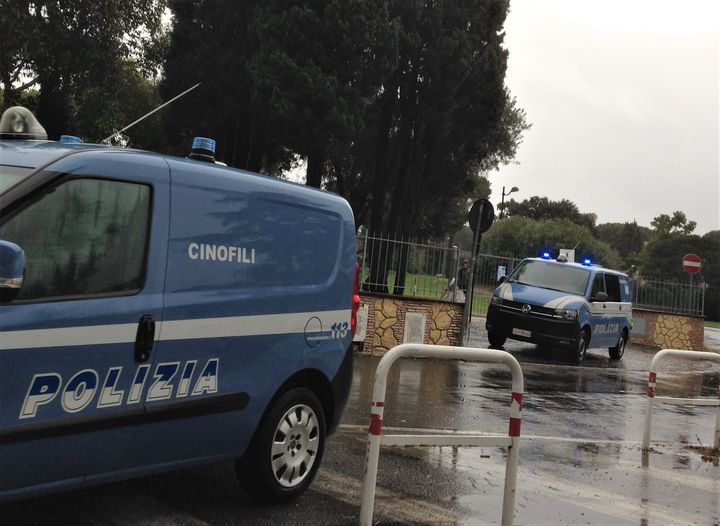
pixel 377 406
pixel 687 355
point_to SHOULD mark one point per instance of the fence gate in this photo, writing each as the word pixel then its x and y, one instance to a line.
pixel 375 437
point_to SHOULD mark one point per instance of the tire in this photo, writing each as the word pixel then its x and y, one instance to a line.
pixel 496 339
pixel 286 452
pixel 617 352
pixel 578 352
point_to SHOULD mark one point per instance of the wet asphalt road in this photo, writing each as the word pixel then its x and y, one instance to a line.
pixel 580 459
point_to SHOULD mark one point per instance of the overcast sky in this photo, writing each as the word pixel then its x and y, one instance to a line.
pixel 623 100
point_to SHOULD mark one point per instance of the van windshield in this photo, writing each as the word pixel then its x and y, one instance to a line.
pixel 11 175
pixel 550 275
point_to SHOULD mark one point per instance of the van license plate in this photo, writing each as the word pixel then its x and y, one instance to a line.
pixel 522 332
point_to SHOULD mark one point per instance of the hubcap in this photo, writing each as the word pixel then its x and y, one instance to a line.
pixel 295 445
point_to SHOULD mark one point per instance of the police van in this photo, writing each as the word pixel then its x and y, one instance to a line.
pixel 560 303
pixel 160 312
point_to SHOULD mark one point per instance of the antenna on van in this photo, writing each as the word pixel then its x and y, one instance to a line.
pixel 150 113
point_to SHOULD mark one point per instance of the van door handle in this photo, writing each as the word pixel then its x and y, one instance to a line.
pixel 144 339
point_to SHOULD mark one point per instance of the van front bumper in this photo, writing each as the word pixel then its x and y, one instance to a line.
pixel 534 327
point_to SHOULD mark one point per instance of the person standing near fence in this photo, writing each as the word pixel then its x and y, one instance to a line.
pixel 463 278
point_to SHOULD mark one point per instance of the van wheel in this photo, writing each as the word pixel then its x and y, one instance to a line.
pixel 496 339
pixel 578 352
pixel 286 452
pixel 617 352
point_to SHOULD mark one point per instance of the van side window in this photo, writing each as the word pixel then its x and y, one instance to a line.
pixel 598 285
pixel 84 237
pixel 612 284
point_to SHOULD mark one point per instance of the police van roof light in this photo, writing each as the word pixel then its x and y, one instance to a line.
pixel 587 262
pixel 203 143
pixel 203 149
pixel 18 122
pixel 70 139
pixel 546 255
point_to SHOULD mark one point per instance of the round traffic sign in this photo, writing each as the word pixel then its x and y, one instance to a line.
pixel 481 215
pixel 692 263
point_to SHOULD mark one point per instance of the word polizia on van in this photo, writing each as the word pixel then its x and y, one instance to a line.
pixel 159 312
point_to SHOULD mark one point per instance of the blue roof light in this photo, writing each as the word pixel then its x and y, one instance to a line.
pixel 203 143
pixel 546 255
pixel 70 139
pixel 587 262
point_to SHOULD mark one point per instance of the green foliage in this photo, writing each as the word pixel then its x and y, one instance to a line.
pixel 70 48
pixel 670 240
pixel 522 236
pixel 541 208
pixel 397 106
pixel 119 99
pixel 442 117
pixel 626 238
pixel 678 223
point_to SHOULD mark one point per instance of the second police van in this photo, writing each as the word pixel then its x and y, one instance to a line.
pixel 561 303
pixel 159 312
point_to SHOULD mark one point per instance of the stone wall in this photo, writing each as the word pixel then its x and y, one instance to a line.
pixel 387 315
pixel 668 331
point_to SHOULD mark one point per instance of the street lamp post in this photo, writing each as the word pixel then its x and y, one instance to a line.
pixel 502 201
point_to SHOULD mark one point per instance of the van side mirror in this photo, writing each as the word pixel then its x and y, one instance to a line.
pixel 501 280
pixel 602 297
pixel 12 270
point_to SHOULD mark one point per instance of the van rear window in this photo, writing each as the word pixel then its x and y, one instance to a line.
pixel 553 276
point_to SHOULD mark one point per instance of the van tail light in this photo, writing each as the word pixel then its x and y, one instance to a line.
pixel 355 300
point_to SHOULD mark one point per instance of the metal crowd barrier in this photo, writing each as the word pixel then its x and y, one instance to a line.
pixel 376 438
pixel 690 355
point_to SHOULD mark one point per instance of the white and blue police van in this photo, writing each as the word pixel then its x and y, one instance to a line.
pixel 554 303
pixel 160 312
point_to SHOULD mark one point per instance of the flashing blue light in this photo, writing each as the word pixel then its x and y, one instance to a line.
pixel 203 143
pixel 70 139
pixel 546 255
pixel 587 262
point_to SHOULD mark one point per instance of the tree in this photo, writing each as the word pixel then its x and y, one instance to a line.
pixel 69 46
pixel 524 237
pixel 678 223
pixel 711 273
pixel 442 118
pixel 670 239
pixel 281 79
pixel 540 208
pixel 626 238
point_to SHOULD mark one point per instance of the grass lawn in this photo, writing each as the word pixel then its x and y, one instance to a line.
pixel 426 286
pixel 715 324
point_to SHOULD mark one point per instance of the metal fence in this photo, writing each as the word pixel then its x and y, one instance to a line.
pixel 672 297
pixel 409 267
pixel 425 267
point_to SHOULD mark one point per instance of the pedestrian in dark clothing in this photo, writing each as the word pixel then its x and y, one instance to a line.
pixel 463 279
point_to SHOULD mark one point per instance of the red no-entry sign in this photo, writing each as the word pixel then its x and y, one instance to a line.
pixel 692 263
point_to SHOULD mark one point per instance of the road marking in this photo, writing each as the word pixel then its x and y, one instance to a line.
pixel 389 505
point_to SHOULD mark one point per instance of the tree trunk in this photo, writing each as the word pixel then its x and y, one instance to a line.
pixel 53 106
pixel 401 269
pixel 315 169
pixel 379 254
